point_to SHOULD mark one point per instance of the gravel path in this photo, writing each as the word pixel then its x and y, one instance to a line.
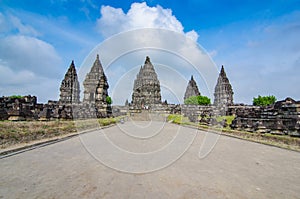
pixel 146 160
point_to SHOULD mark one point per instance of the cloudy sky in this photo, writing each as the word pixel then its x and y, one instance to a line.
pixel 257 42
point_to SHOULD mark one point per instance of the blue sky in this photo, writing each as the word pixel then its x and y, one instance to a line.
pixel 257 41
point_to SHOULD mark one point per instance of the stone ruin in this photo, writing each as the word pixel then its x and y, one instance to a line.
pixel 95 93
pixel 146 89
pixel 223 99
pixel 223 90
pixel 19 108
pixel 69 105
pixel 191 89
pixel 281 118
pixel 69 89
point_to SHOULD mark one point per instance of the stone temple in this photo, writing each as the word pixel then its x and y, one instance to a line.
pixel 146 89
pixel 69 89
pixel 282 118
pixel 92 80
pixel 94 103
pixel 223 90
pixel 191 89
pixel 95 90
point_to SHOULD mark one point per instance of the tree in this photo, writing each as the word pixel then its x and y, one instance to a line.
pixel 203 100
pixel 16 96
pixel 197 100
pixel 108 100
pixel 191 100
pixel 264 100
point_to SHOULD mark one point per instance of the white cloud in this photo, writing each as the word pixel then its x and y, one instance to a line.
pixel 174 56
pixel 267 63
pixel 31 54
pixel 9 77
pixel 10 23
pixel 114 20
pixel 22 28
pixel 213 53
pixel 192 35
pixel 3 23
pixel 28 65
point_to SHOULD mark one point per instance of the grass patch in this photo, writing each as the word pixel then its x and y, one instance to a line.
pixel 12 133
pixel 177 119
pixel 228 119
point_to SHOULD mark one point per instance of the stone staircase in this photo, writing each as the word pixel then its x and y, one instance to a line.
pixel 146 115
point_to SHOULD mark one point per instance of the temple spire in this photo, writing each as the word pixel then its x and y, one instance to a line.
pixel 147 60
pixel 97 66
pixel 191 89
pixel 222 73
pixel 69 89
pixel 92 79
pixel 146 89
pixel 223 90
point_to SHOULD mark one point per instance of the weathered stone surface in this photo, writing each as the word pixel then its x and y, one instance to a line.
pixel 223 90
pixel 92 80
pixel 191 89
pixel 45 114
pixel 283 117
pixel 69 89
pixel 3 114
pixel 95 93
pixel 103 109
pixel 146 90
pixel 69 105
pixel 18 108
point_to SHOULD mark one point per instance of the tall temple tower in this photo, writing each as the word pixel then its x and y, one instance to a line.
pixel 69 89
pixel 103 109
pixel 146 89
pixel 95 91
pixel 191 89
pixel 92 80
pixel 223 90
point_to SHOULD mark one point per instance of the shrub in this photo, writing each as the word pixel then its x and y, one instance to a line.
pixel 197 100
pixel 264 100
pixel 16 96
pixel 108 100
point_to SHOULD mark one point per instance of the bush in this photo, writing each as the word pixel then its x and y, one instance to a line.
pixel 16 96
pixel 197 100
pixel 264 100
pixel 108 100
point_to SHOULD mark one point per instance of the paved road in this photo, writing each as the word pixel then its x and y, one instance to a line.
pixel 72 169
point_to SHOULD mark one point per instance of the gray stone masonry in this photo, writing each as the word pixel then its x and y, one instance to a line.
pixel 191 89
pixel 223 90
pixel 69 89
pixel 146 90
pixel 281 118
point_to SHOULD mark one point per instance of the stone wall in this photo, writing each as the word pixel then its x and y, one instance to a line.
pixel 19 108
pixel 27 108
pixel 281 118
pixel 119 110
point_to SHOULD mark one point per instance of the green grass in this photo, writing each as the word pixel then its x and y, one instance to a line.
pixel 177 119
pixel 228 119
pixel 12 133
